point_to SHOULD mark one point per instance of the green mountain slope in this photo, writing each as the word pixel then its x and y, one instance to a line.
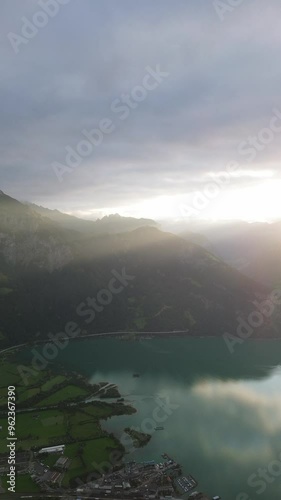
pixel 52 276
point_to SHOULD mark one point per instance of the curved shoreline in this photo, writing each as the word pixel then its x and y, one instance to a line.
pixel 140 336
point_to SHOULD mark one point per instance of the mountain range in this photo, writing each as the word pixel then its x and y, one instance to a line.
pixel 54 267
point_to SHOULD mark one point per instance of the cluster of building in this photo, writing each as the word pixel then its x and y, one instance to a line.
pixel 143 481
pixel 43 475
pixel 46 476
pixel 186 484
pixel 146 480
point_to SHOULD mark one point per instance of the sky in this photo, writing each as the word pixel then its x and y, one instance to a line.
pixel 161 109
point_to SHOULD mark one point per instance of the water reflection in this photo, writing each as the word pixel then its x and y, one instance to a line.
pixel 227 423
pixel 184 358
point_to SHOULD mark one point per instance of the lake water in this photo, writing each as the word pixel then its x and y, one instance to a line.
pixel 222 419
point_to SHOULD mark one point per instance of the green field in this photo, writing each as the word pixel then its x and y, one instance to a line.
pixel 57 426
pixel 77 426
pixel 9 374
pixel 26 394
pixel 24 484
pixel 68 392
pixel 59 379
pixel 36 429
pixel 83 426
pixel 99 411
pixel 90 447
pixel 88 456
pixel 43 387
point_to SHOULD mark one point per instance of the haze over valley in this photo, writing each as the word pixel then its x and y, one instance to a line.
pixel 140 250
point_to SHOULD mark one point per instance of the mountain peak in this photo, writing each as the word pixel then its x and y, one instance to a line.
pixel 2 193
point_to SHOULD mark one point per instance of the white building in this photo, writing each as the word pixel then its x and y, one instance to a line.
pixel 53 449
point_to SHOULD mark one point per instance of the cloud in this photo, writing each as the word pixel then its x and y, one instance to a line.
pixel 223 83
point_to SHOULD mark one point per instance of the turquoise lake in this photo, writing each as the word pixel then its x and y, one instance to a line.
pixel 221 412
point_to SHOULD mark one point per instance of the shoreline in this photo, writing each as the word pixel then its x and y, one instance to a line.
pixel 138 336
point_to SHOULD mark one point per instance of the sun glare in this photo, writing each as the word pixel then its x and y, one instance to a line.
pixel 258 203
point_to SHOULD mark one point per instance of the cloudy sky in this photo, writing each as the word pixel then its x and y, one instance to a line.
pixel 172 91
